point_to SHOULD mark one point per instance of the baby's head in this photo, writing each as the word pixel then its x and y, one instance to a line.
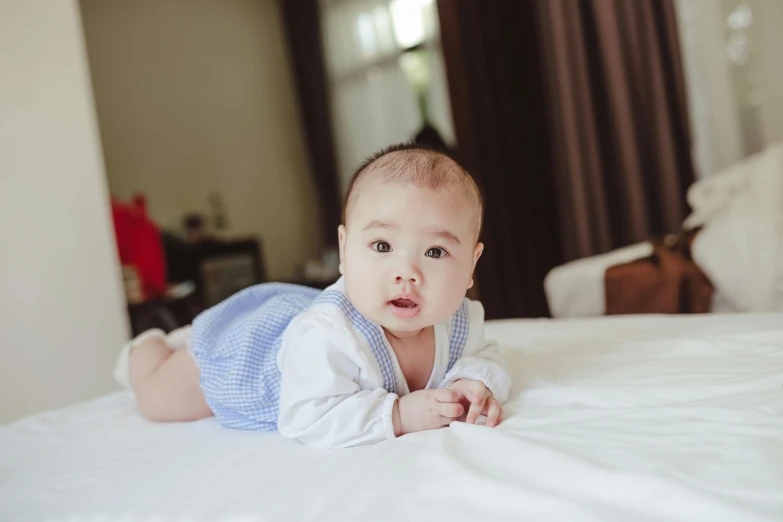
pixel 409 239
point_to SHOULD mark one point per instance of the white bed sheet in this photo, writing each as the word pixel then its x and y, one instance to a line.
pixel 634 419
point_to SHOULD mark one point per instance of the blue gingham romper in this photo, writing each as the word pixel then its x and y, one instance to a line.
pixel 236 343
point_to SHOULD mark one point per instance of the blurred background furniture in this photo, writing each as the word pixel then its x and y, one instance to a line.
pixel 727 259
pixel 217 268
pixel 199 274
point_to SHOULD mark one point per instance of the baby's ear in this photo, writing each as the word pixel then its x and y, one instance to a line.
pixel 476 255
pixel 341 244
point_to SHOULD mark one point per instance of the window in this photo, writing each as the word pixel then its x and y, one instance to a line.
pixel 371 77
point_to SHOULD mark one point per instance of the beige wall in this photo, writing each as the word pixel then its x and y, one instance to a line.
pixel 61 308
pixel 195 96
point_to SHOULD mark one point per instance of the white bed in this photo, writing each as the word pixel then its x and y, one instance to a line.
pixel 635 419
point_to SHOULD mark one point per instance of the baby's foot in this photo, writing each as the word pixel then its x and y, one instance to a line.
pixel 122 367
pixel 175 340
pixel 179 338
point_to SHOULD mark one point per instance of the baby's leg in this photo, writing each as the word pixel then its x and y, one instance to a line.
pixel 166 382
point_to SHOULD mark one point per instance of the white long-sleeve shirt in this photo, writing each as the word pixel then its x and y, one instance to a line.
pixel 339 382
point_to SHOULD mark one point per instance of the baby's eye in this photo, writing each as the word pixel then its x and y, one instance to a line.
pixel 381 246
pixel 436 253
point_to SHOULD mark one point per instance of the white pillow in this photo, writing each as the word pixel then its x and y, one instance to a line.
pixel 740 247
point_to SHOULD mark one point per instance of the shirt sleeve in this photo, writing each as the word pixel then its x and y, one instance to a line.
pixel 321 402
pixel 482 359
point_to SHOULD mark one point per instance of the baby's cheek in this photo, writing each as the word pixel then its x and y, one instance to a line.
pixel 359 288
pixel 450 295
pixel 455 281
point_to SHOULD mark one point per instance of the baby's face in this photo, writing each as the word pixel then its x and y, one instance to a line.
pixel 408 254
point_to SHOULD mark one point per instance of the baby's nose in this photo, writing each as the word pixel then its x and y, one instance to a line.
pixel 412 278
pixel 408 274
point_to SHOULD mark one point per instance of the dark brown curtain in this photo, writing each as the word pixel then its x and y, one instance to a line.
pixel 617 120
pixel 492 62
pixel 303 30
pixel 571 115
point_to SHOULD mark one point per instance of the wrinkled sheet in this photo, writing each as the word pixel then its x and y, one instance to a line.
pixel 611 419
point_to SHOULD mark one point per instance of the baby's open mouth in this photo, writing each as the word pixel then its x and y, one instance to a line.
pixel 403 303
pixel 404 308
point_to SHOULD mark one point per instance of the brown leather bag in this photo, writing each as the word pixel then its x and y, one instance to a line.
pixel 667 282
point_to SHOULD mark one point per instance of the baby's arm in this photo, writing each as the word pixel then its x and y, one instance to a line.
pixel 481 360
pixel 321 402
pixel 323 405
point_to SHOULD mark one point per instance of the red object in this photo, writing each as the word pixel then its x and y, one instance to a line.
pixel 139 244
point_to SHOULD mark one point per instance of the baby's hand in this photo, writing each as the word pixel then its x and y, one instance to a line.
pixel 481 400
pixel 426 410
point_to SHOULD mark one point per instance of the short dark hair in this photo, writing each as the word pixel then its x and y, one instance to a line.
pixel 421 165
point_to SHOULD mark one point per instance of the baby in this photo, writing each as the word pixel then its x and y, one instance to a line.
pixel 393 347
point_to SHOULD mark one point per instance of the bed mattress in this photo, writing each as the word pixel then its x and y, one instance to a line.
pixel 614 419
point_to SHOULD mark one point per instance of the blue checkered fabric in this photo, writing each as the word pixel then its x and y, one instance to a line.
pixel 371 331
pixel 458 336
pixel 235 344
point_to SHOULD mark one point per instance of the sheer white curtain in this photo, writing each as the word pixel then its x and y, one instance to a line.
pixel 732 54
pixel 373 104
pixel 714 112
